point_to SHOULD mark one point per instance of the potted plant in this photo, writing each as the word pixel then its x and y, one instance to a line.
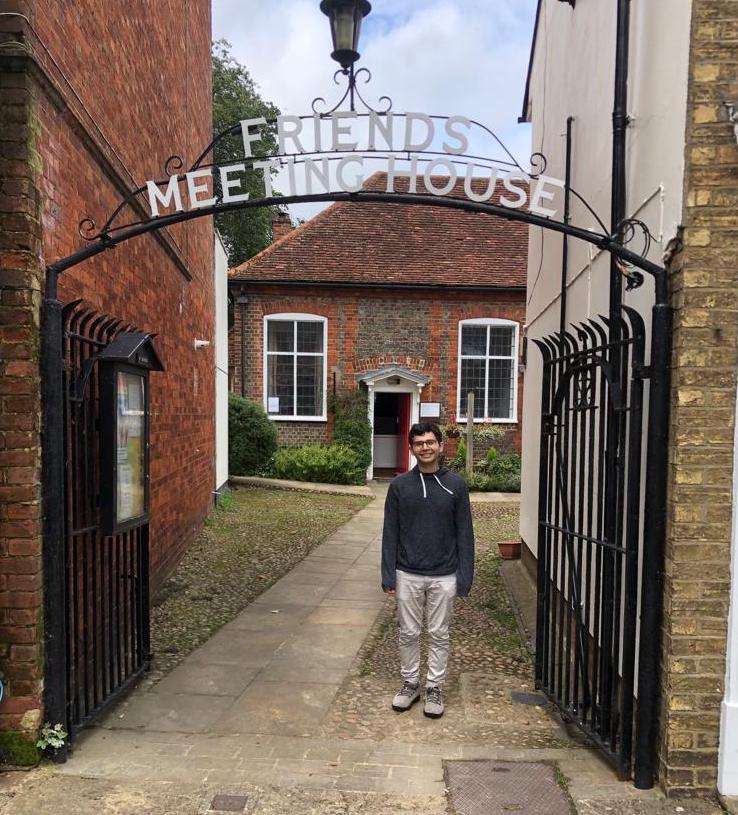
pixel 509 550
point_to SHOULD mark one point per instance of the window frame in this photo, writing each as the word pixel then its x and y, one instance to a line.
pixel 295 317
pixel 489 321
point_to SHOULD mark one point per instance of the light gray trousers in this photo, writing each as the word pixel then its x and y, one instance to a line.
pixel 435 595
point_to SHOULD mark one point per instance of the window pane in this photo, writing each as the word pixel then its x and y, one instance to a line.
pixel 501 340
pixel 309 386
pixel 280 385
pixel 472 379
pixel 500 389
pixel 474 340
pixel 280 335
pixel 310 337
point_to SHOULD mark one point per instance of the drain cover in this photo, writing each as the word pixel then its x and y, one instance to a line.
pixel 505 788
pixel 523 698
pixel 229 803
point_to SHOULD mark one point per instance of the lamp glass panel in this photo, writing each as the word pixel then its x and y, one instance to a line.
pixel 344 28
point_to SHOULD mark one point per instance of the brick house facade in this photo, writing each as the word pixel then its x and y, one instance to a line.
pixel 392 284
pixel 93 101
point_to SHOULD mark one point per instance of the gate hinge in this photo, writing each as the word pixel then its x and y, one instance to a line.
pixel 641 372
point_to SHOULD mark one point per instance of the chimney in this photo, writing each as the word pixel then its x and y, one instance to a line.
pixel 281 225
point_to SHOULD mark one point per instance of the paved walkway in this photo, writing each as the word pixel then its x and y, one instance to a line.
pixel 245 714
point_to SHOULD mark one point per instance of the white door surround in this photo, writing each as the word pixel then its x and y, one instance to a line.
pixel 393 379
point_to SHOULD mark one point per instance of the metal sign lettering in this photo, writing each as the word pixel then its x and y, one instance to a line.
pixel 356 144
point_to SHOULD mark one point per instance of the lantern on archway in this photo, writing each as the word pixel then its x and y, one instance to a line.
pixel 345 17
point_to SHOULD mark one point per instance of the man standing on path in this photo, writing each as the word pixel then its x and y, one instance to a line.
pixel 427 560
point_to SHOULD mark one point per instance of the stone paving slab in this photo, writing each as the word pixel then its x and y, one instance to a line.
pixel 261 617
pixel 287 707
pixel 207 679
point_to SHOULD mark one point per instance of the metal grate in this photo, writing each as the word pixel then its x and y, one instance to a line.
pixel 228 803
pixel 535 699
pixel 505 787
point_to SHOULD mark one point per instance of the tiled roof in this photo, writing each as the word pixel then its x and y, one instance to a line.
pixel 397 244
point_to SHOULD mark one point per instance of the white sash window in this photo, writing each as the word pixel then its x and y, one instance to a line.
pixel 488 366
pixel 295 366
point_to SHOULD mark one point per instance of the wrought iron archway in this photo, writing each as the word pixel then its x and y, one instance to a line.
pixel 557 352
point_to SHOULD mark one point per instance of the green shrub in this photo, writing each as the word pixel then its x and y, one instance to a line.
pixel 478 481
pixel 351 423
pixel 505 471
pixel 501 473
pixel 334 464
pixel 458 462
pixel 252 436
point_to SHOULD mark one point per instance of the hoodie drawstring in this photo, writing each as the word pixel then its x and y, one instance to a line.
pixel 441 485
pixel 425 492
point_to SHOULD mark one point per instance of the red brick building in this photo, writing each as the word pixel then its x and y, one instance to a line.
pixel 93 100
pixel 417 304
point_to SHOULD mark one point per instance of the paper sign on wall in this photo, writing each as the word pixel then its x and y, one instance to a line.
pixel 430 410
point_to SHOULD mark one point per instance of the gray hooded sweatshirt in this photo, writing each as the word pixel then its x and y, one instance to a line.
pixel 428 528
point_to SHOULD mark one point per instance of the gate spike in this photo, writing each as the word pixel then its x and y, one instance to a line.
pixel 636 321
pixel 87 321
pixel 76 318
pixel 570 338
pixel 107 329
pixel 544 349
pixel 69 308
pixel 600 330
pixel 591 333
pixel 97 323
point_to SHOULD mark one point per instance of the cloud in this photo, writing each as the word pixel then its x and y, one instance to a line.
pixel 466 57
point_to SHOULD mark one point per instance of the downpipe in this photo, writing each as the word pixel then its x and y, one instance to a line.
pixel 52 485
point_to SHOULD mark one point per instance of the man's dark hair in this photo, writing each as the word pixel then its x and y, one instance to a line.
pixel 421 428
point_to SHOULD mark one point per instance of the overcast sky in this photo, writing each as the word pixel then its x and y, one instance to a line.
pixel 465 57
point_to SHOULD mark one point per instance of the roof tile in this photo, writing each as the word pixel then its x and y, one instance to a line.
pixel 397 243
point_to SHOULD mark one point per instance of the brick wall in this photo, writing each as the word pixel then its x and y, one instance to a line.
pixel 366 331
pixel 95 111
pixel 20 493
pixel 705 297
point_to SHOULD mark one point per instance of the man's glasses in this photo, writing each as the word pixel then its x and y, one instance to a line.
pixel 419 444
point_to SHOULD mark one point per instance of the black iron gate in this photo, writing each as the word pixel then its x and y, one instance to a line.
pixel 106 578
pixel 589 527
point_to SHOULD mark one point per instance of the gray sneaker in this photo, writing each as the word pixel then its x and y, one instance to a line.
pixel 406 697
pixel 433 703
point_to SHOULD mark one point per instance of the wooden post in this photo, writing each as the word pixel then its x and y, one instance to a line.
pixel 470 432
